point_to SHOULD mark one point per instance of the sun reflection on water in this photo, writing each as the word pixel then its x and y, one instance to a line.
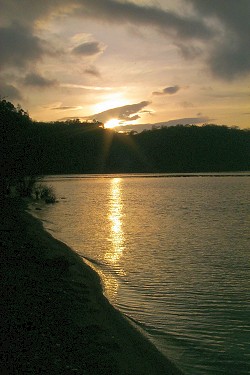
pixel 116 239
pixel 115 217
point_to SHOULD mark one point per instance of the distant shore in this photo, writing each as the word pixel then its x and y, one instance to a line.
pixel 55 319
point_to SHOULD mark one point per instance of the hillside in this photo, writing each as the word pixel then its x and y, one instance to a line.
pixel 32 148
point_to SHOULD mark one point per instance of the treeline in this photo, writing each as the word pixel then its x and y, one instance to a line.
pixel 34 148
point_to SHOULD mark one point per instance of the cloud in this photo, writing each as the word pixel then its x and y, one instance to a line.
pixel 28 12
pixel 168 90
pixel 128 112
pixel 223 28
pixel 93 71
pixel 65 108
pixel 189 51
pixel 185 121
pixel 36 80
pixel 112 11
pixel 179 121
pixel 18 46
pixel 88 49
pixel 233 13
pixel 215 32
pixel 85 87
pixel 229 55
pixel 10 92
pixel 231 59
pixel 134 14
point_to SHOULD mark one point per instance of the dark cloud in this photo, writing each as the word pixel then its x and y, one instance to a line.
pixel 231 12
pixel 93 71
pixel 131 13
pixel 27 12
pixel 216 31
pixel 19 46
pixel 229 55
pixel 64 108
pixel 112 11
pixel 36 80
pixel 9 92
pixel 189 51
pixel 171 90
pixel 125 113
pixel 226 37
pixel 88 49
pixel 168 90
pixel 231 59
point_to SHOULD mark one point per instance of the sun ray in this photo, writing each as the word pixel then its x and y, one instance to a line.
pixel 111 123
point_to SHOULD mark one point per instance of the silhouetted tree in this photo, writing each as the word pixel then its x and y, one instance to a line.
pixel 14 124
pixel 37 148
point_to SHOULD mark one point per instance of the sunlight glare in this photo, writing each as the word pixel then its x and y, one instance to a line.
pixel 110 101
pixel 111 123
pixel 115 217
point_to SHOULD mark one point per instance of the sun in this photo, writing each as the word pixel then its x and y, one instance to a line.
pixel 111 123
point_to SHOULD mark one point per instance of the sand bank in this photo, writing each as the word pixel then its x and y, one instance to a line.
pixel 55 319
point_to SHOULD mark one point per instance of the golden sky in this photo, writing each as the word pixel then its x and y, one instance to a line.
pixel 128 62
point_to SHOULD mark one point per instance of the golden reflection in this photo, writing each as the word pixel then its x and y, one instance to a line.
pixel 115 218
pixel 110 284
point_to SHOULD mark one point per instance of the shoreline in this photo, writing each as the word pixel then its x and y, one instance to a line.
pixel 56 319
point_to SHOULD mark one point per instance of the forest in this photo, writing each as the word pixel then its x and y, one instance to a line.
pixel 30 148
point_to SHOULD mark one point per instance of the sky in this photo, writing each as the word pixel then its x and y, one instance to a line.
pixel 130 63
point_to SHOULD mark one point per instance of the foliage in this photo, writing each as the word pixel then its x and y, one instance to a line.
pixel 29 149
pixel 12 116
pixel 14 148
pixel 45 193
pixel 25 186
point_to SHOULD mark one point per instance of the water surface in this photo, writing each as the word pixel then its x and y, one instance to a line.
pixel 173 254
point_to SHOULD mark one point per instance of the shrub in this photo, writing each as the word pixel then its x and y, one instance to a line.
pixel 25 185
pixel 45 193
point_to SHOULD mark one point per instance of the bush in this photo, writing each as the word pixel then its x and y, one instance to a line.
pixel 25 185
pixel 45 193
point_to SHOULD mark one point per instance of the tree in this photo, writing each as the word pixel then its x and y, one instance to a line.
pixel 14 124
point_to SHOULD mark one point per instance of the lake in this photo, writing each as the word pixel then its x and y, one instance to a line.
pixel 173 255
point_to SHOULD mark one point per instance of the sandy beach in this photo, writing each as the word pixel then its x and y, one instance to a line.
pixel 55 319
